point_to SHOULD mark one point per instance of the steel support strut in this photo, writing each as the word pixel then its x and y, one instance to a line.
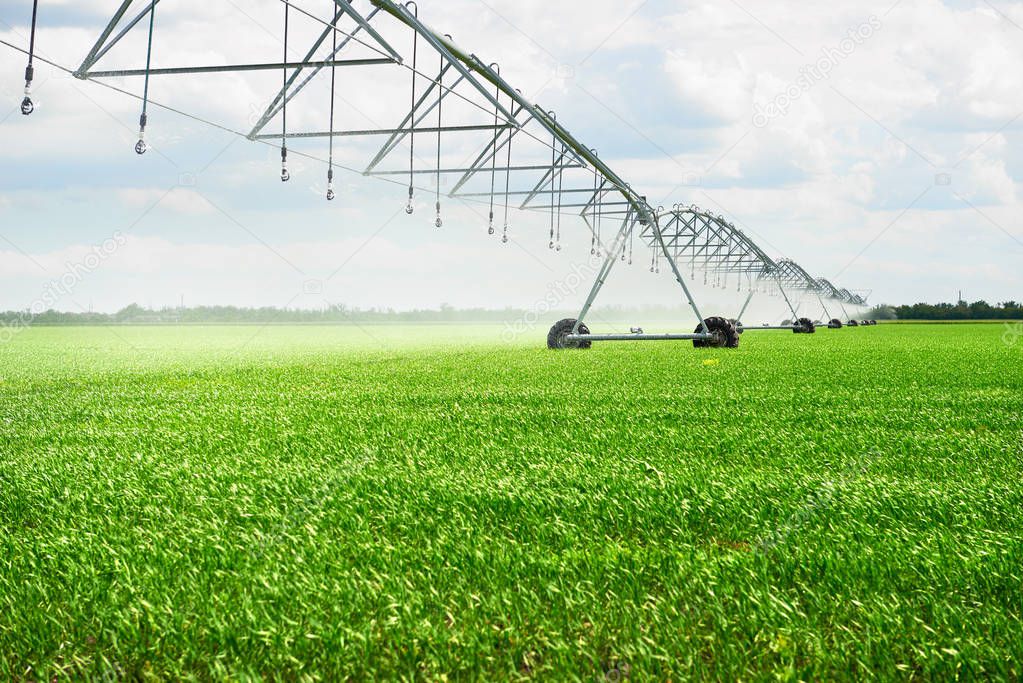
pixel 744 307
pixel 287 92
pixel 232 68
pixel 415 117
pixel 678 274
pixel 827 314
pixel 90 59
pixel 781 289
pixel 605 270
pixel 124 31
pixel 346 7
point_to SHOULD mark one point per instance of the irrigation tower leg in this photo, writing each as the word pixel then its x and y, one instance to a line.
pixel 678 275
pixel 827 313
pixel 605 270
pixel 795 314
pixel 744 307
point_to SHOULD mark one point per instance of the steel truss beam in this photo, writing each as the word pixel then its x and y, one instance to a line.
pixel 91 58
pixel 380 131
pixel 288 91
pixel 237 67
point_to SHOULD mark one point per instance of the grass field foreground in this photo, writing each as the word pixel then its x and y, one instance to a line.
pixel 325 503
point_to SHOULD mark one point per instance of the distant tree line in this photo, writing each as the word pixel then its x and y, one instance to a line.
pixel 135 314
pixel 978 310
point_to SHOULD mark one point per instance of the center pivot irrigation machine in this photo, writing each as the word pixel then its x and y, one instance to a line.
pixel 521 157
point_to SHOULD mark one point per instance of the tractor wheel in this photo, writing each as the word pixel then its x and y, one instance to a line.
pixel 853 323
pixel 835 324
pixel 804 326
pixel 738 325
pixel 725 335
pixel 556 338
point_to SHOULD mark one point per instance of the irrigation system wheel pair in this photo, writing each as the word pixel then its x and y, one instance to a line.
pixel 835 324
pixel 714 333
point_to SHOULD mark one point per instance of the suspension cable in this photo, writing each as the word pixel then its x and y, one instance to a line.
pixel 285 176
pixel 632 234
pixel 440 125
pixel 141 146
pixel 561 177
pixel 596 215
pixel 493 165
pixel 330 147
pixel 507 185
pixel 554 161
pixel 27 107
pixel 410 207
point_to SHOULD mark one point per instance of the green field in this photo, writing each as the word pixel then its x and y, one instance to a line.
pixel 378 503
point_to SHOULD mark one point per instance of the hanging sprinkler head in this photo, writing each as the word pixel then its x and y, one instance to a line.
pixel 439 223
pixel 141 146
pixel 490 226
pixel 330 185
pixel 410 208
pixel 285 176
pixel 504 237
pixel 26 104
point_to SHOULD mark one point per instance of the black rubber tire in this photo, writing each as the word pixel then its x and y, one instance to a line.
pixel 835 324
pixel 864 323
pixel 726 336
pixel 738 325
pixel 852 323
pixel 786 323
pixel 805 326
pixel 563 328
pixel 873 322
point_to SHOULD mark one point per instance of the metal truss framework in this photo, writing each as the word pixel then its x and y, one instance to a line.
pixel 559 175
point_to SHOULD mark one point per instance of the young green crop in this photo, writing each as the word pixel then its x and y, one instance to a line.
pixel 377 503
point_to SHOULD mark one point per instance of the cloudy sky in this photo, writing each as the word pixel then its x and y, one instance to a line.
pixel 876 143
